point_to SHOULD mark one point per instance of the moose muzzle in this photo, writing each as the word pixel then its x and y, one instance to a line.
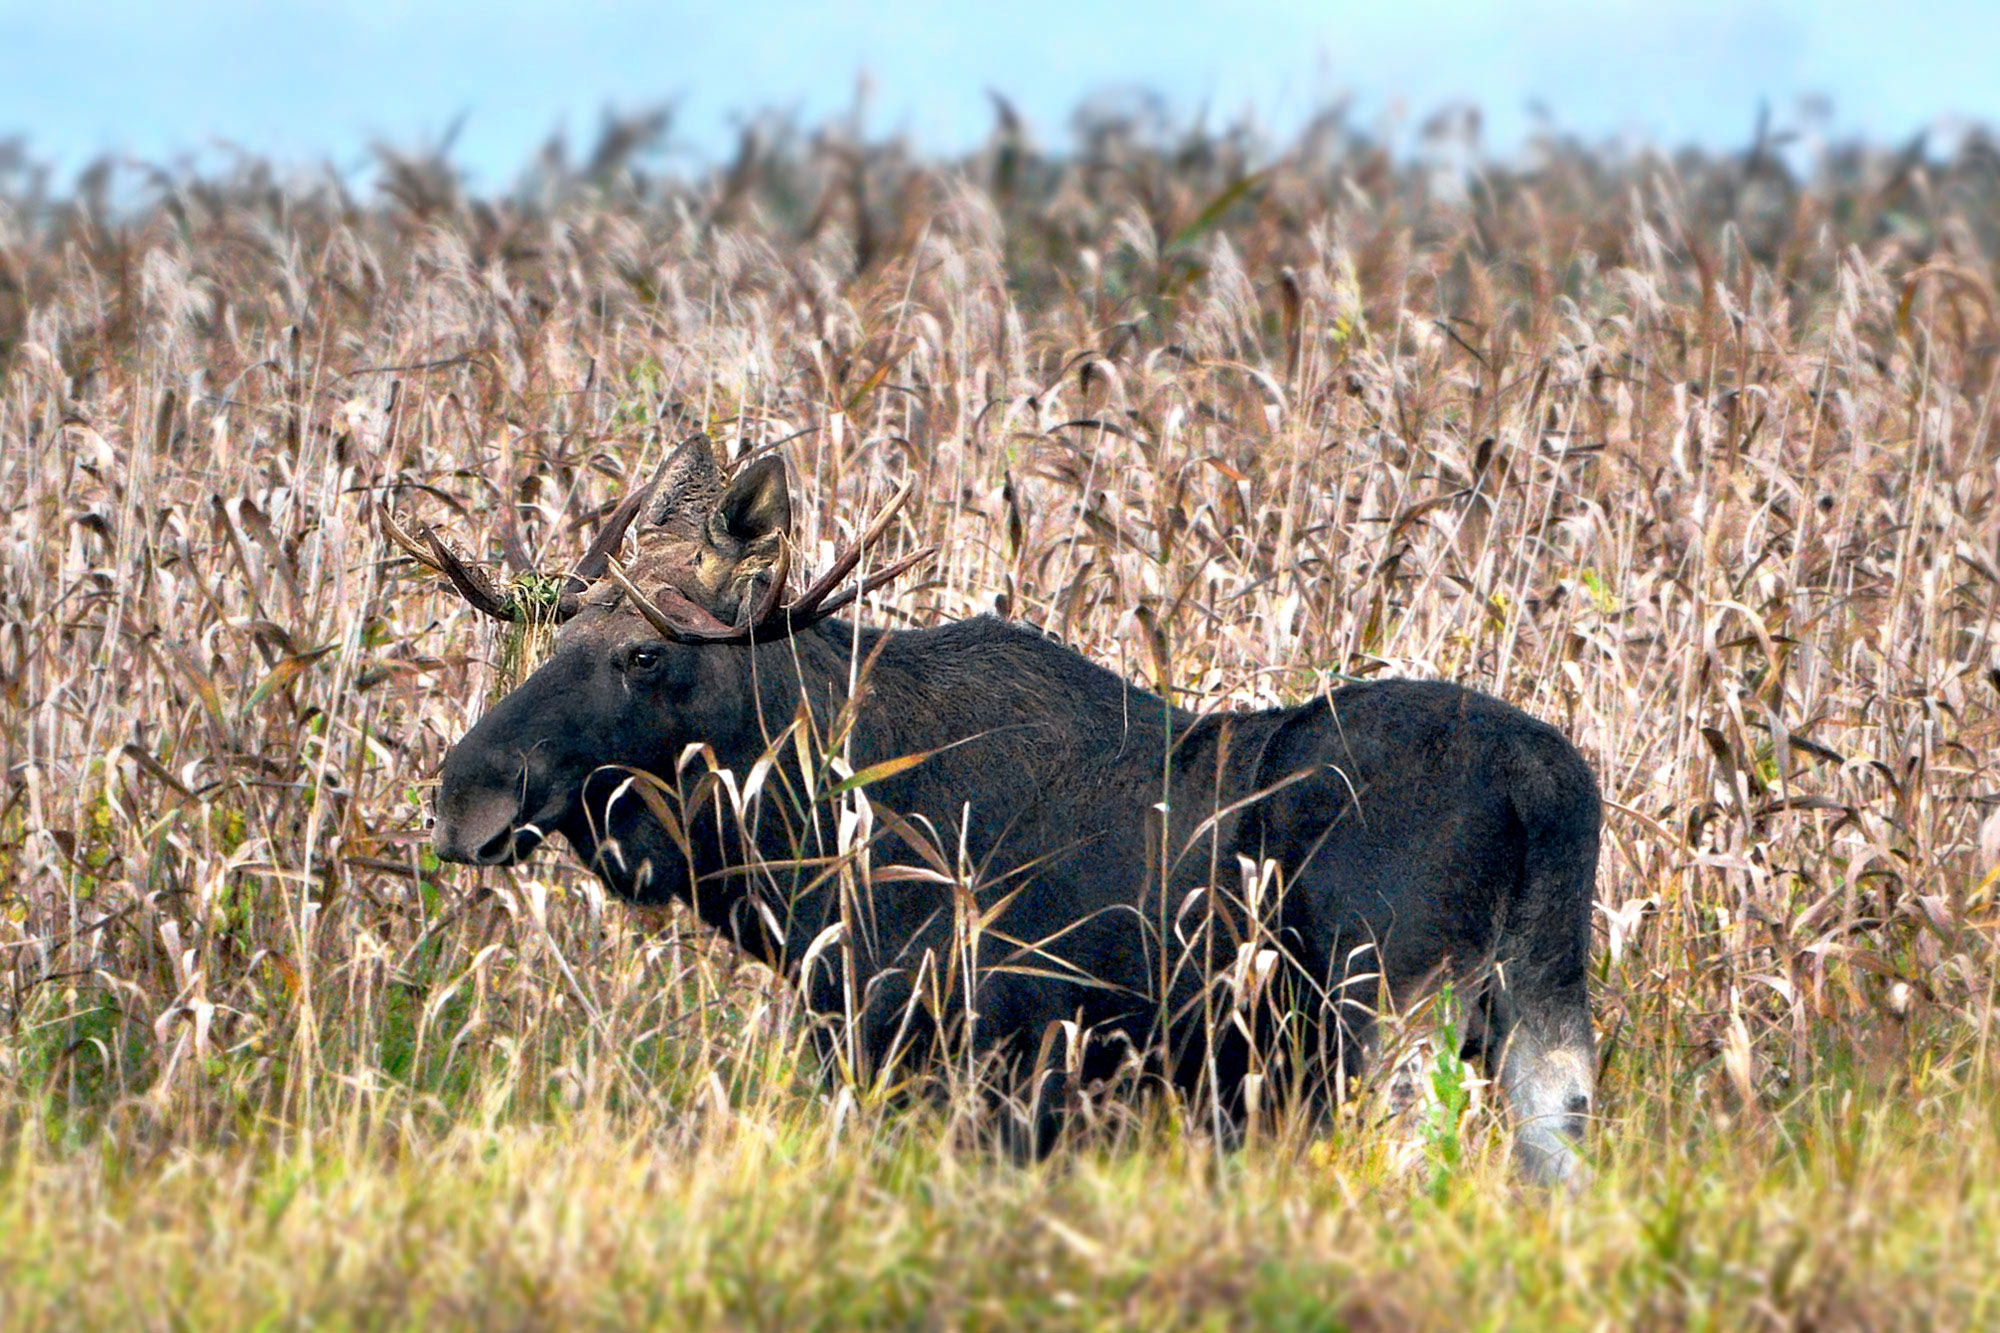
pixel 483 817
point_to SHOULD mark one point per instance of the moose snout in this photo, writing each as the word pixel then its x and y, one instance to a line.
pixel 480 831
pixel 482 813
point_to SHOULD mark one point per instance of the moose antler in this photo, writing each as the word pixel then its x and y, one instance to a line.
pixel 671 612
pixel 597 557
pixel 430 551
pixel 813 604
pixel 676 616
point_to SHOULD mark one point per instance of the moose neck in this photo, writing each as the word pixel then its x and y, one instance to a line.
pixel 808 677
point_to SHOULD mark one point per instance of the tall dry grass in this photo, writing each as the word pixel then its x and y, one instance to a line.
pixel 1693 456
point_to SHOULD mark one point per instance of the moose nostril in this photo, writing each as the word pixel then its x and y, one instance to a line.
pixel 497 849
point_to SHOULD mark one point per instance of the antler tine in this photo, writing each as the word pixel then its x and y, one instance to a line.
pixel 413 548
pixel 472 585
pixel 879 578
pixel 597 557
pixel 805 610
pixel 644 604
pixel 434 555
pixel 768 605
pixel 698 626
pixel 896 502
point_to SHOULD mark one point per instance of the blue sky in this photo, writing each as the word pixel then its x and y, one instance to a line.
pixel 316 81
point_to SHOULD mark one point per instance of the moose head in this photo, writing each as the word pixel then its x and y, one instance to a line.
pixel 650 656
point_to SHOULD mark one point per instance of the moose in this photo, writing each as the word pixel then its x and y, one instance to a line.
pixel 1094 881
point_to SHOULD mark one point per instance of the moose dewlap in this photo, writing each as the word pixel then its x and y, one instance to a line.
pixel 1209 897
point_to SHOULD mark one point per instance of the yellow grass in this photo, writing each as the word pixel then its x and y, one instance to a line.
pixel 1692 458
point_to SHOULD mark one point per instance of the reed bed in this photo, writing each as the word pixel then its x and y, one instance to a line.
pixel 1691 455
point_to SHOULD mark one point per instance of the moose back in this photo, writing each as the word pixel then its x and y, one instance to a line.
pixel 1225 901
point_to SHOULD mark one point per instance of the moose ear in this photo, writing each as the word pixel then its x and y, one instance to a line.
pixel 685 487
pixel 757 507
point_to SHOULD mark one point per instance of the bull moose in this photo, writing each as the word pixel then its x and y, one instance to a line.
pixel 1090 880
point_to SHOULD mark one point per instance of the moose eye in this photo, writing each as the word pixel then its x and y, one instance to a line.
pixel 644 659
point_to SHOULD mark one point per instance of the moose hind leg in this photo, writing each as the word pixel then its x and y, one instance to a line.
pixel 1548 1068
